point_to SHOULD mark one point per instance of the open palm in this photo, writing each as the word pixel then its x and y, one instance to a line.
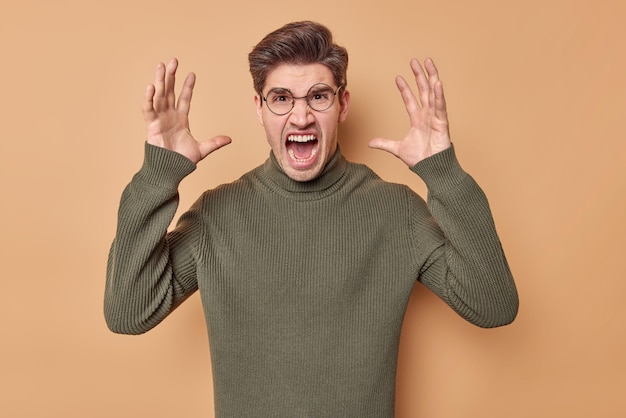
pixel 167 120
pixel 428 133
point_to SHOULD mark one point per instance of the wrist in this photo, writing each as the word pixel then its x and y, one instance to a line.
pixel 441 171
pixel 164 167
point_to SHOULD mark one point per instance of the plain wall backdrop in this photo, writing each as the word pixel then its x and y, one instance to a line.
pixel 536 95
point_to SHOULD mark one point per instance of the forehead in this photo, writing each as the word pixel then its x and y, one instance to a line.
pixel 298 78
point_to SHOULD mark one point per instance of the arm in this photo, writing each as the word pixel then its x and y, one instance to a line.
pixel 149 271
pixel 145 279
pixel 468 270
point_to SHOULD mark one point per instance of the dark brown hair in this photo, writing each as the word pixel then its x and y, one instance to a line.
pixel 298 43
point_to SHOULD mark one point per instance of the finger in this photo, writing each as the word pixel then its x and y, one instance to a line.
pixel 170 82
pixel 159 86
pixel 441 111
pixel 439 100
pixel 410 101
pixel 148 103
pixel 431 68
pixel 433 78
pixel 184 100
pixel 213 144
pixel 422 82
pixel 385 145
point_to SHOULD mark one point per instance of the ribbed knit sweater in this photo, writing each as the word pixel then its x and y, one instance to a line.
pixel 304 285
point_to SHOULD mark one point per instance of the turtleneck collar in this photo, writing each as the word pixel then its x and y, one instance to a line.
pixel 277 180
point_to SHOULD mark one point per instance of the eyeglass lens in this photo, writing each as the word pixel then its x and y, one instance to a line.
pixel 319 97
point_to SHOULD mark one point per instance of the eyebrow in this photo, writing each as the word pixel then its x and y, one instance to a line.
pixel 279 90
pixel 318 87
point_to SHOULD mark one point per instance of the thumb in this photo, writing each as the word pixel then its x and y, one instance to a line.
pixel 213 144
pixel 385 145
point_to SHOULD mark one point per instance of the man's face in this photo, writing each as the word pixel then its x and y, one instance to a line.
pixel 303 140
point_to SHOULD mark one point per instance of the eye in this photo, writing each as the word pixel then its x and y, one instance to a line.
pixel 320 96
pixel 279 98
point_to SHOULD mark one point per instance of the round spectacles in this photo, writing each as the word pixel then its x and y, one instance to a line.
pixel 320 97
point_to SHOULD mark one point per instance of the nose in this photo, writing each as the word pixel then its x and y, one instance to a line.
pixel 301 114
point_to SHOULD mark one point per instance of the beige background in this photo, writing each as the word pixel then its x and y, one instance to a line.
pixel 537 101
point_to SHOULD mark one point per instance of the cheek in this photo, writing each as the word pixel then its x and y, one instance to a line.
pixel 273 130
pixel 330 124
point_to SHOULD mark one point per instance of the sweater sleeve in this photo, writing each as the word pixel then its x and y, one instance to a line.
pixel 149 271
pixel 469 270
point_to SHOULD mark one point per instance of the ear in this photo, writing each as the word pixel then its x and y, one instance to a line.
pixel 343 111
pixel 258 102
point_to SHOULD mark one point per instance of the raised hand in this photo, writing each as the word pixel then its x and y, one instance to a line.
pixel 428 133
pixel 167 121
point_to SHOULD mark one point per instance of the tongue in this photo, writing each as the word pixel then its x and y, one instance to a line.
pixel 303 150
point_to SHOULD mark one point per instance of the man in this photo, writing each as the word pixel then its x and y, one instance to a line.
pixel 305 264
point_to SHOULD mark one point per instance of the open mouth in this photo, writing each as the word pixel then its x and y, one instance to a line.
pixel 302 148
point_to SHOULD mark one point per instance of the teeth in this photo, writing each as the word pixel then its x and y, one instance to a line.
pixel 293 156
pixel 301 138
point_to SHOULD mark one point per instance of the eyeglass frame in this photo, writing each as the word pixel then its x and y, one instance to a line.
pixel 306 97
